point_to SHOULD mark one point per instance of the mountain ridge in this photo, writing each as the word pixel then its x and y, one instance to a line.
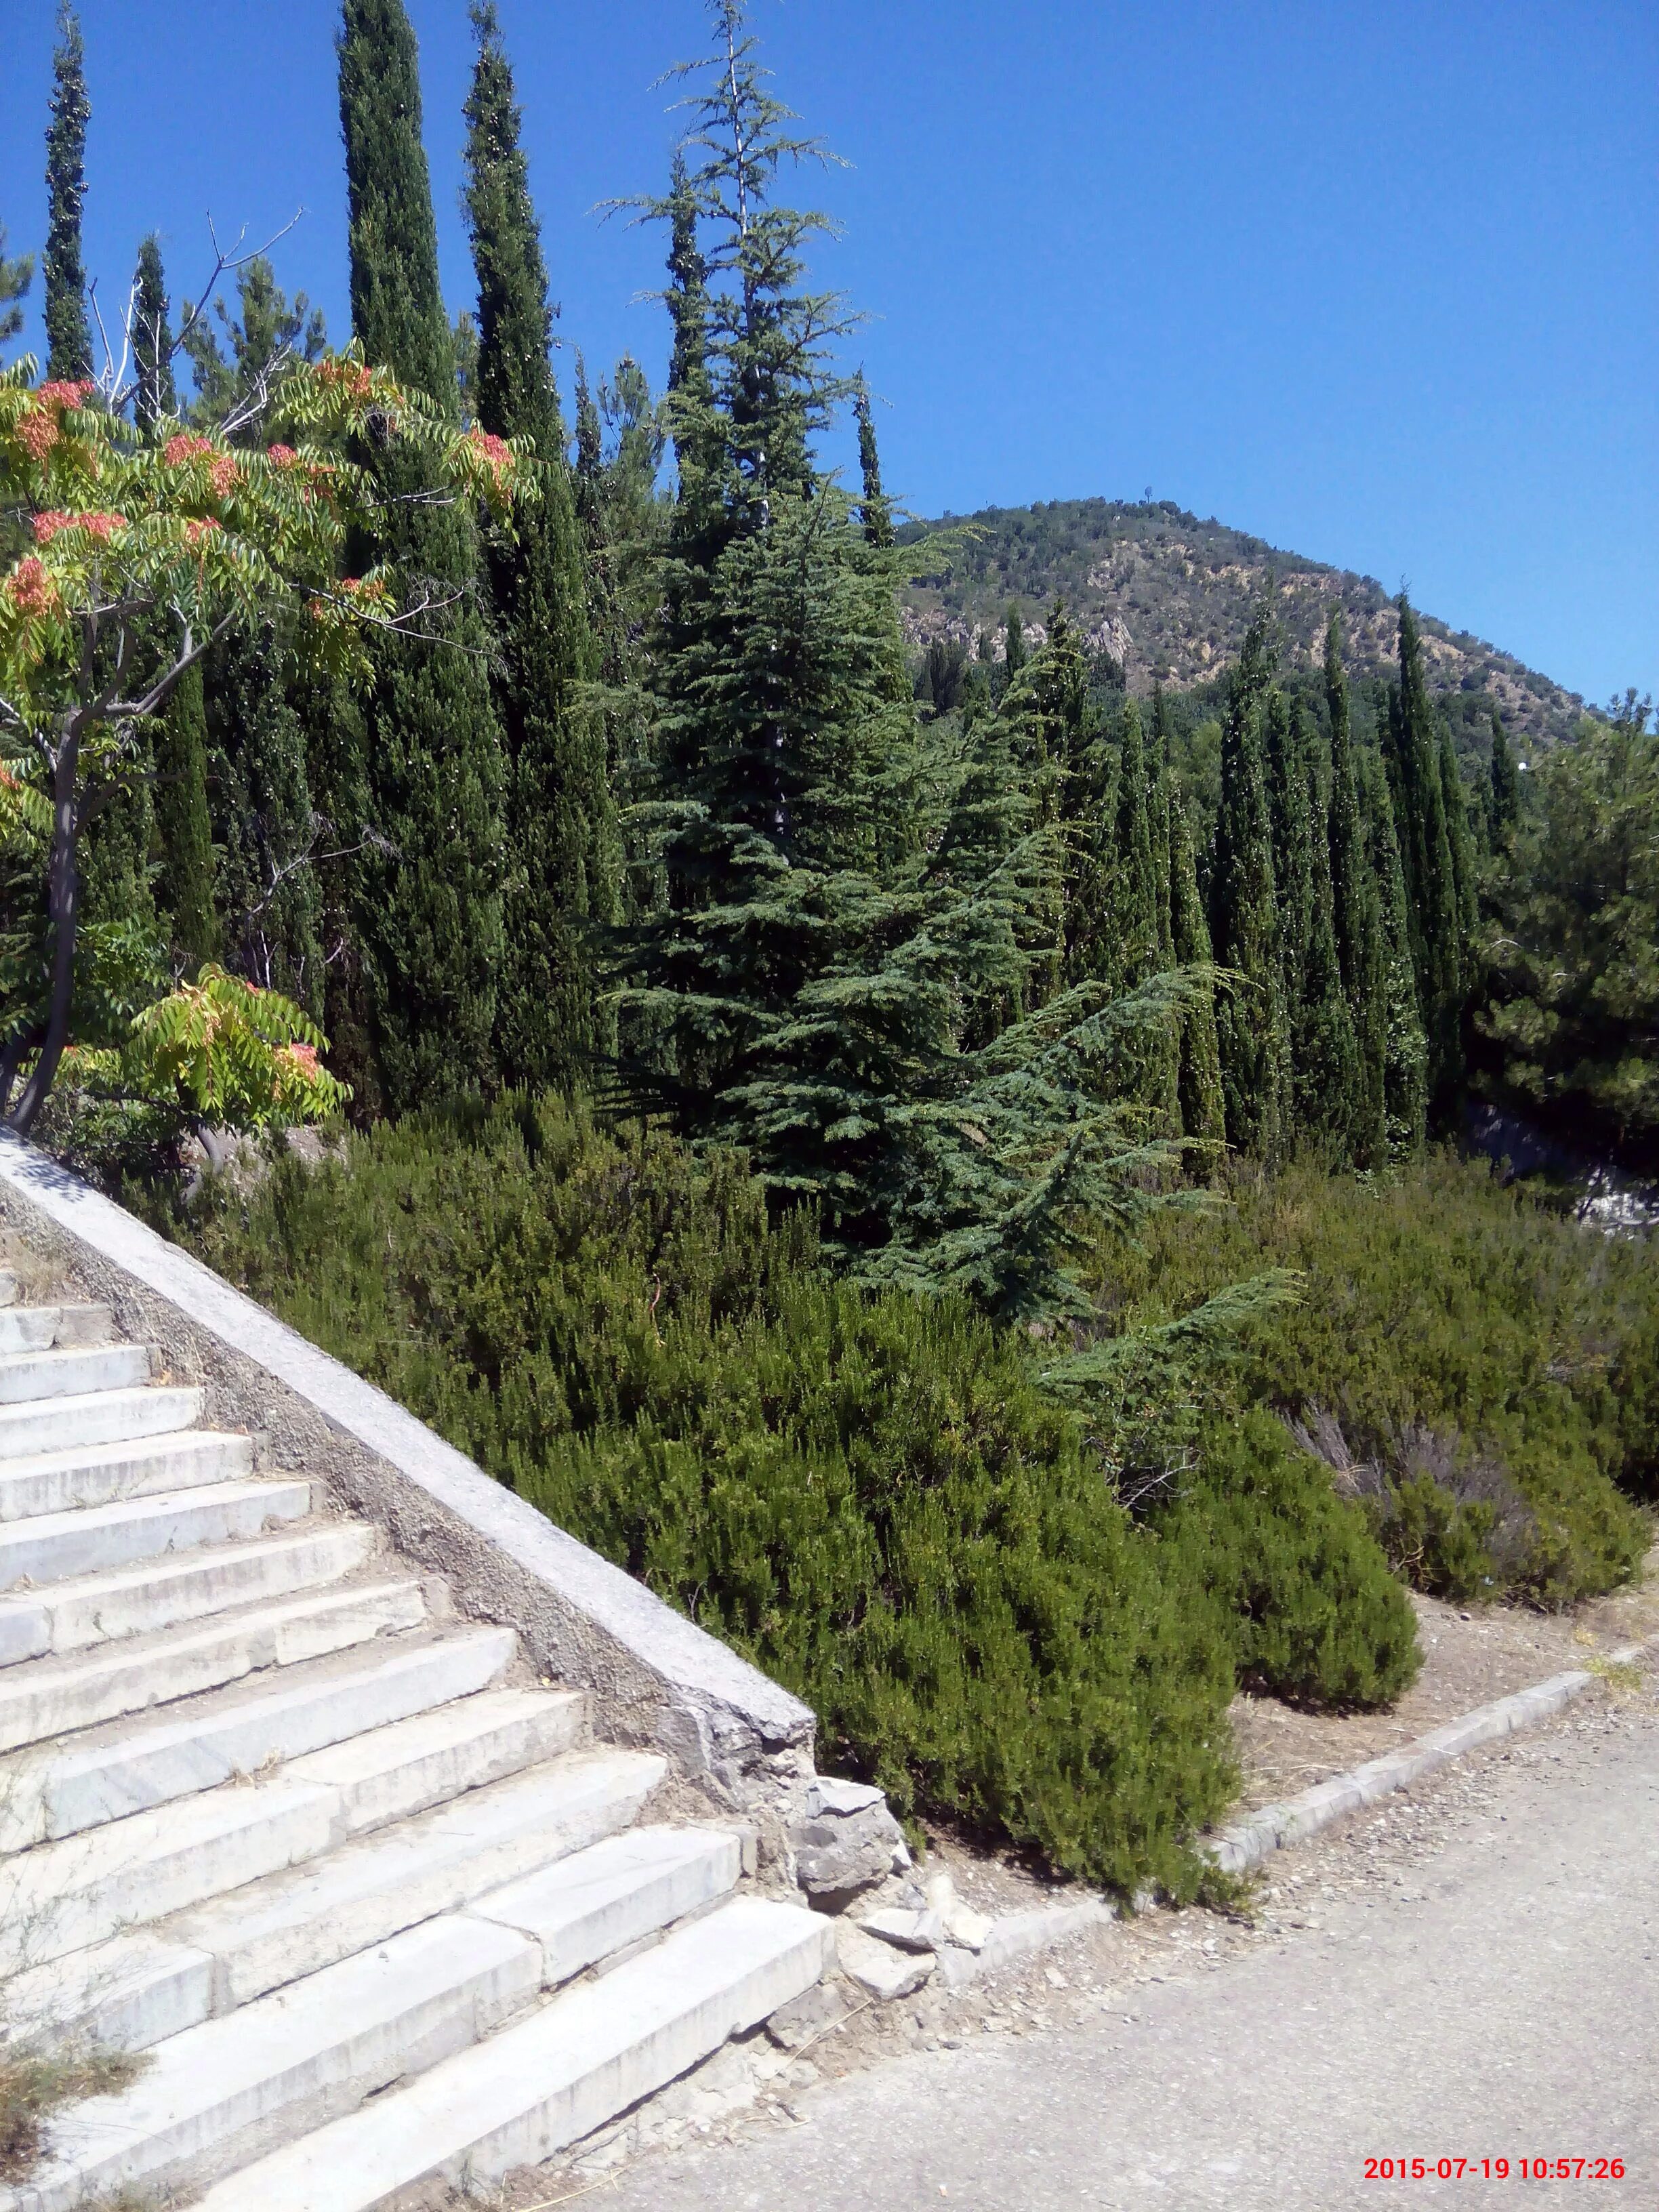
pixel 1169 596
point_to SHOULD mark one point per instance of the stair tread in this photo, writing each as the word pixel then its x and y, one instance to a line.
pixel 97 1417
pixel 103 1773
pixel 553 2076
pixel 54 1547
pixel 205 1654
pixel 28 1473
pixel 32 1377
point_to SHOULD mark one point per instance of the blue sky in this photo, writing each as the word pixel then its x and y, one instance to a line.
pixel 1379 284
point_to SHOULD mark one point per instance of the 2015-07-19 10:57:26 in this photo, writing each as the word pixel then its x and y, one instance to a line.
pixel 1494 2169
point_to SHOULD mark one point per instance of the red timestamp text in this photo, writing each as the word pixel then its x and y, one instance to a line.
pixel 1494 2169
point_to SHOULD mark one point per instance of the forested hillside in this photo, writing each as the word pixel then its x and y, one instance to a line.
pixel 1170 597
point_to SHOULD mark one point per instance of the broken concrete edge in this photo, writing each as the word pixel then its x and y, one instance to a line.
pixel 656 1679
pixel 1246 1843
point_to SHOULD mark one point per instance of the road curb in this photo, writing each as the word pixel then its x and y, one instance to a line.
pixel 1246 1843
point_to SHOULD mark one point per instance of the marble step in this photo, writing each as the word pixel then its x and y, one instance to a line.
pixel 37 1329
pixel 103 1474
pixel 54 1547
pixel 97 1417
pixel 25 1378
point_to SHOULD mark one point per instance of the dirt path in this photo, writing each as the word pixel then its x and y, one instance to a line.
pixel 1471 1972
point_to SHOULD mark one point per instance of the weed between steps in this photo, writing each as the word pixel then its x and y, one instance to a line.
pixel 35 2084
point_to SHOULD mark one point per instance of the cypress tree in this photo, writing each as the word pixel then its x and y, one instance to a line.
pixel 68 331
pixel 1243 915
pixel 1328 1085
pixel 1406 1059
pixel 561 847
pixel 876 513
pixel 427 888
pixel 155 394
pixel 1014 654
pixel 1137 947
pixel 1203 1105
pixel 183 822
pixel 16 275
pixel 1356 915
pixel 1505 805
pixel 1462 848
pixel 1289 803
pixel 1434 920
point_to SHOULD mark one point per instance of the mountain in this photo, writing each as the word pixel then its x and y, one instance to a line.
pixel 1169 596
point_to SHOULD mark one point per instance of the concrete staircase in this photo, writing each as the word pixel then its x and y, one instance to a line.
pixel 368 1892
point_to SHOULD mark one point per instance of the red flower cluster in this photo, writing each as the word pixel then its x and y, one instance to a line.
pixel 303 1057
pixel 281 456
pixel 178 452
pixel 33 590
pixel 38 432
pixel 497 456
pixel 103 527
pixel 198 532
pixel 61 393
pixel 222 475
pixel 348 376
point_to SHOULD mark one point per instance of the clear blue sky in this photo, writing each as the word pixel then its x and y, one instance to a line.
pixel 1381 284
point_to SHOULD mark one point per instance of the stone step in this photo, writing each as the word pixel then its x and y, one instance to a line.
pixel 99 1475
pixel 165 1592
pixel 134 1989
pixel 299 1921
pixel 227 1735
pixel 220 2095
pixel 548 2079
pixel 98 1417
pixel 72 1896
pixel 589 1906
pixel 57 1697
pixel 54 1547
pixel 27 1377
pixel 35 1329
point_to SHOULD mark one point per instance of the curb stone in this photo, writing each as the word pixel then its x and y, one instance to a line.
pixel 1246 1843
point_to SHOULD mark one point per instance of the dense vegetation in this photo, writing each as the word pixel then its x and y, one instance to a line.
pixel 921 1154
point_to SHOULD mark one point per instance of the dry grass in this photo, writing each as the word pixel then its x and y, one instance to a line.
pixel 35 2084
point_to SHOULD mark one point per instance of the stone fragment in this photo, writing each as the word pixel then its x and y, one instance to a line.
pixel 847 1841
pixel 807 2016
pixel 876 1967
pixel 906 1930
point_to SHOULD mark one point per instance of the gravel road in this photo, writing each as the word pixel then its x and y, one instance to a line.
pixel 1471 1974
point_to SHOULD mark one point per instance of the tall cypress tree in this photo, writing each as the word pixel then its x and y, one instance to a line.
pixel 69 332
pixel 155 394
pixel 1137 950
pixel 1355 916
pixel 1327 1082
pixel 429 898
pixel 1505 805
pixel 1405 1061
pixel 1203 1104
pixel 16 275
pixel 876 511
pixel 563 855
pixel 1462 842
pixel 183 822
pixel 1014 651
pixel 1243 913
pixel 1434 920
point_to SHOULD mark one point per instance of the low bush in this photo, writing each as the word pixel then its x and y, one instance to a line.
pixel 1474 1345
pixel 1315 1615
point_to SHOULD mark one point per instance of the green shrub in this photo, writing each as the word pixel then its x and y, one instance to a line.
pixel 866 1496
pixel 1439 1302
pixel 1315 1615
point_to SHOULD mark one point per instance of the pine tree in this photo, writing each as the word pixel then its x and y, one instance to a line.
pixel 155 394
pixel 16 275
pixel 1243 915
pixel 876 511
pixel 69 332
pixel 1356 914
pixel 184 825
pixel 1434 920
pixel 1203 1106
pixel 1406 1059
pixel 1505 806
pixel 428 905
pixel 561 847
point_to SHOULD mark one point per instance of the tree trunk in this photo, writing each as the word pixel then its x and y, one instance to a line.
pixel 62 913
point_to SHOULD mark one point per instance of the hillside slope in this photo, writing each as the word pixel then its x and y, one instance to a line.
pixel 1170 597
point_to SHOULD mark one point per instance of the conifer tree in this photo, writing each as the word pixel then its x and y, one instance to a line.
pixel 1462 842
pixel 1356 913
pixel 561 847
pixel 1291 804
pixel 156 394
pixel 876 511
pixel 184 825
pixel 1406 1061
pixel 1505 805
pixel 1327 1085
pixel 1014 652
pixel 1244 916
pixel 16 275
pixel 1203 1106
pixel 1137 948
pixel 1434 920
pixel 427 901
pixel 68 331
